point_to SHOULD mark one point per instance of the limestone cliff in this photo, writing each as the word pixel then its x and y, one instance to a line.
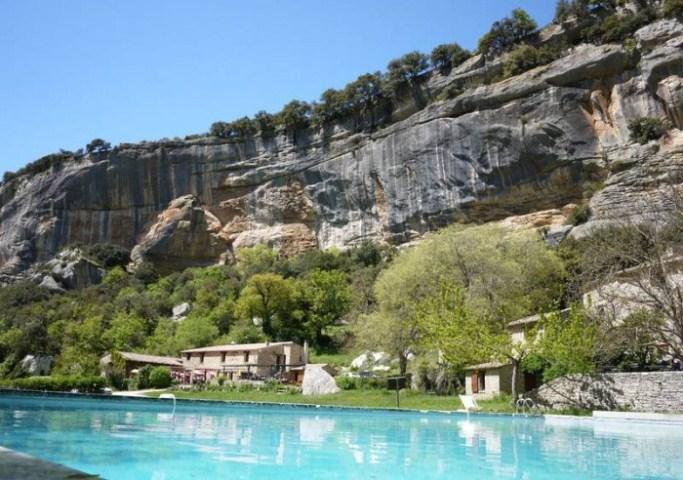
pixel 516 146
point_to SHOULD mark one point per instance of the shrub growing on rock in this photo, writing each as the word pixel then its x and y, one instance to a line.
pixel 405 70
pixel 98 145
pixel 526 57
pixel 579 215
pixel 448 55
pixel 265 122
pixel 645 129
pixel 673 8
pixel 507 32
pixel 295 115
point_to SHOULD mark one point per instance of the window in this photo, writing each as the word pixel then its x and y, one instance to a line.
pixel 223 357
pixel 188 356
pixel 246 357
pixel 482 381
pixel 201 358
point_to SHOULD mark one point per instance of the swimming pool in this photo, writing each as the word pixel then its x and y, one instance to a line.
pixel 140 439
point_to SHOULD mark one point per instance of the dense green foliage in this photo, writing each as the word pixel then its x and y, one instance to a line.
pixel 300 298
pixel 93 384
pixel 526 57
pixel 645 129
pixel 448 55
pixel 508 32
pixel 581 214
pixel 98 145
pixel 160 377
pixel 455 292
pixel 673 8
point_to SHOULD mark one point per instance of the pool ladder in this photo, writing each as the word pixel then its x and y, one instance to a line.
pixel 525 406
pixel 168 396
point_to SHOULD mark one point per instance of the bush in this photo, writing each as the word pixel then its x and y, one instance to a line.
pixel 673 8
pixel 108 254
pixel 361 383
pixel 579 215
pixel 645 129
pixel 160 377
pixel 346 383
pixel 616 27
pixel 57 383
pixel 526 57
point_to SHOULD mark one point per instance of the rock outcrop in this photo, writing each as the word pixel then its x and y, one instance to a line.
pixel 70 269
pixel 184 235
pixel 520 145
pixel 319 380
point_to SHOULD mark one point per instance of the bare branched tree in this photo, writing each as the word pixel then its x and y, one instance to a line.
pixel 635 265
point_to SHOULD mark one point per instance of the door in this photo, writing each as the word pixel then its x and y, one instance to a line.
pixel 475 382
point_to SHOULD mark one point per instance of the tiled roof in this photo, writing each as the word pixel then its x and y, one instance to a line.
pixel 152 359
pixel 486 366
pixel 236 347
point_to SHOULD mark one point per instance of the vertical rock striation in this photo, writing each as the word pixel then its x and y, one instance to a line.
pixel 516 146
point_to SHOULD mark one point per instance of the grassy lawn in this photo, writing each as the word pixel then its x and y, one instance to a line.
pixel 346 398
pixel 361 398
pixel 336 359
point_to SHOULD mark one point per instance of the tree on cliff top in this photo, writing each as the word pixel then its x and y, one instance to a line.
pixel 507 32
pixel 98 145
pixel 448 55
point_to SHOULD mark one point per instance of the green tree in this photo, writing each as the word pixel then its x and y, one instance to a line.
pixel 327 297
pixel 364 94
pixel 296 115
pixel 331 106
pixel 405 70
pixel 126 333
pixel 569 344
pixel 195 331
pixel 256 259
pixel 502 275
pixel 97 145
pixel 265 123
pixel 267 298
pixel 465 336
pixel 74 361
pixel 448 55
pixel 507 32
pixel 397 336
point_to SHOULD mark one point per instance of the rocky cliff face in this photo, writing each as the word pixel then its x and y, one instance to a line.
pixel 523 144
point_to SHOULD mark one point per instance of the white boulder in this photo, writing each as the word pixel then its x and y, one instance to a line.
pixel 36 364
pixel 319 380
pixel 371 360
pixel 181 310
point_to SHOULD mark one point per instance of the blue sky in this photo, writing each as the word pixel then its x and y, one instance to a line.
pixel 131 70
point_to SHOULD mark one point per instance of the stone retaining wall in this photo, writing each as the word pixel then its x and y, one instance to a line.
pixel 642 391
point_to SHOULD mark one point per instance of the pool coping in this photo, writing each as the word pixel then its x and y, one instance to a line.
pixel 311 406
pixel 597 415
pixel 20 465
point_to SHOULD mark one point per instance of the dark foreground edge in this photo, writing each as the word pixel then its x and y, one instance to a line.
pixel 19 466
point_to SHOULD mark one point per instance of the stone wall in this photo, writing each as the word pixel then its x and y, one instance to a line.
pixel 642 391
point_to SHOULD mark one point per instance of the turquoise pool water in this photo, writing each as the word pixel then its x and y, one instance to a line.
pixel 125 439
